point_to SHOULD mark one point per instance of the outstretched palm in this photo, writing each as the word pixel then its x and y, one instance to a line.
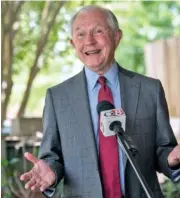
pixel 41 176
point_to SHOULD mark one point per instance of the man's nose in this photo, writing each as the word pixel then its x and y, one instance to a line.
pixel 90 40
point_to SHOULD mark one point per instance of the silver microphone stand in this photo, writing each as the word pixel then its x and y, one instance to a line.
pixel 130 151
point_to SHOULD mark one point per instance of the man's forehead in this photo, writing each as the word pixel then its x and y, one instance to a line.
pixel 84 24
pixel 91 12
pixel 87 16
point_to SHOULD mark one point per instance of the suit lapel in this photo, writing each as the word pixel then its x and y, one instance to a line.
pixel 129 89
pixel 129 96
pixel 80 104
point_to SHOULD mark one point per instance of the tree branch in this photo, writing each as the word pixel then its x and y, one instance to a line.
pixel 13 190
pixel 7 53
pixel 7 74
pixel 18 7
pixel 44 32
pixel 14 14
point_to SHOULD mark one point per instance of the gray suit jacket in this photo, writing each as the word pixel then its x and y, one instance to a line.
pixel 68 145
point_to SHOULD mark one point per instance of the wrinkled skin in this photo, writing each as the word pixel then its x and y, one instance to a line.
pixel 40 177
pixel 94 41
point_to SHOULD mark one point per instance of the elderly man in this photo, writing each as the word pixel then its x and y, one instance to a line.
pixel 73 146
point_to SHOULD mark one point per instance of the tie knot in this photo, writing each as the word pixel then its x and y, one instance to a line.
pixel 102 80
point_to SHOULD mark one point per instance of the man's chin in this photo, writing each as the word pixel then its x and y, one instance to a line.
pixel 94 67
pixel 99 69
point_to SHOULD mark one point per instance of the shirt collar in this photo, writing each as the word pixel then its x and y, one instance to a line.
pixel 111 76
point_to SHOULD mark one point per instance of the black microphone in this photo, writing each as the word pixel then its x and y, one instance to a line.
pixel 104 105
pixel 114 123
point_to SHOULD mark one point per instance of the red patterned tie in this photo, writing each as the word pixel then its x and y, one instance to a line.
pixel 108 152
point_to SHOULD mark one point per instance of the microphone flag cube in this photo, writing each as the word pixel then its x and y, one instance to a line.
pixel 109 116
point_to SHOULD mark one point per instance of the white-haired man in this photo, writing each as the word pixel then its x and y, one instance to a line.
pixel 73 147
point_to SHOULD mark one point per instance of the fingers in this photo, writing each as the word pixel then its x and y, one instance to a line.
pixel 177 159
pixel 35 187
pixel 35 184
pixel 31 157
pixel 43 187
pixel 174 157
pixel 30 183
pixel 26 176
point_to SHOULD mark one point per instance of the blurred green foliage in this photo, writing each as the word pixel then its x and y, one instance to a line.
pixel 12 168
pixel 171 190
pixel 9 174
pixel 141 22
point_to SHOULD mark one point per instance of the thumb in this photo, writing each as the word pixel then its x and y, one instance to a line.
pixel 31 157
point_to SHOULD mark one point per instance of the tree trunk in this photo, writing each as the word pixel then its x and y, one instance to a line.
pixel 9 16
pixel 47 21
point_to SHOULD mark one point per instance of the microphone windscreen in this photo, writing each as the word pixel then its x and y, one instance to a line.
pixel 104 106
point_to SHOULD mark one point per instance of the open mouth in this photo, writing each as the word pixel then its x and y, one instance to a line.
pixel 91 52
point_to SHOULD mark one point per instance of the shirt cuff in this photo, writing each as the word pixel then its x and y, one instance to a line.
pixel 49 192
pixel 175 175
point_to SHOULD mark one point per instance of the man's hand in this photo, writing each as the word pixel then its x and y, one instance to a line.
pixel 174 157
pixel 41 176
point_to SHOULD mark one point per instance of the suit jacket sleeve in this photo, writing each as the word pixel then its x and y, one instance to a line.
pixel 50 149
pixel 165 140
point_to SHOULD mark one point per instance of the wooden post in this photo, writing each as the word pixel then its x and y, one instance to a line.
pixel 162 60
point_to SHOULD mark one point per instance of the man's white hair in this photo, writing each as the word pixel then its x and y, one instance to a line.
pixel 111 18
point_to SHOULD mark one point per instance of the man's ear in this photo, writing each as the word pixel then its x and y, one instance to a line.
pixel 118 36
pixel 72 43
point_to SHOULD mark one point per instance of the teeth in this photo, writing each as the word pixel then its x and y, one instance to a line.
pixel 92 52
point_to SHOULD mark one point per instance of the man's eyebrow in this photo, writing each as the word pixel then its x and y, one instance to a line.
pixel 80 28
pixel 77 29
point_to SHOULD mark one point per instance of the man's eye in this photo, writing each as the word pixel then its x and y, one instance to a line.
pixel 99 31
pixel 80 35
